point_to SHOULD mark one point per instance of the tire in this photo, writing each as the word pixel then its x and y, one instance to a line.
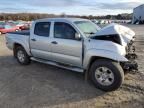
pixel 21 56
pixel 112 77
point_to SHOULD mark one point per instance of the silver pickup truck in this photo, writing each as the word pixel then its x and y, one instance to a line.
pixel 103 55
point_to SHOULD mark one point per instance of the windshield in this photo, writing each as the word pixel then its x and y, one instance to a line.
pixel 87 27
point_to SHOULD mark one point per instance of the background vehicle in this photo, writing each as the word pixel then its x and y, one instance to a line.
pixel 23 25
pixel 78 45
pixel 8 28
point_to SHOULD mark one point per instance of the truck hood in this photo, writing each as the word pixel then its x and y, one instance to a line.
pixel 125 33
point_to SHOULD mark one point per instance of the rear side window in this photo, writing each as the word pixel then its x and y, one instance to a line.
pixel 42 29
pixel 64 31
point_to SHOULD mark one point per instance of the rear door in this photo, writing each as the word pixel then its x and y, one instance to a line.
pixel 65 48
pixel 40 41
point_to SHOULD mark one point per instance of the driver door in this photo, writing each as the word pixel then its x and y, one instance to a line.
pixel 65 48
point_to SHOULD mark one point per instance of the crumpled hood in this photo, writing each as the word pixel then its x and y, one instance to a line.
pixel 126 33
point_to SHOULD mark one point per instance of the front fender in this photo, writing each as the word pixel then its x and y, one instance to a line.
pixel 104 54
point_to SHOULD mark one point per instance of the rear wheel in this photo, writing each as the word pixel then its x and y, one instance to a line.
pixel 107 75
pixel 22 56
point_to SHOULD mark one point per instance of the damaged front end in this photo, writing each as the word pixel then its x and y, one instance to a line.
pixel 123 36
pixel 131 65
pixel 130 49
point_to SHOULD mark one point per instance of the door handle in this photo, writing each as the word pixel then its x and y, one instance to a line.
pixel 33 39
pixel 54 42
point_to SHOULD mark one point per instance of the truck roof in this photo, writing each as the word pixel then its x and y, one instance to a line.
pixel 62 19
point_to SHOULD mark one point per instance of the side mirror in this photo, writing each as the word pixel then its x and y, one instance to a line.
pixel 77 36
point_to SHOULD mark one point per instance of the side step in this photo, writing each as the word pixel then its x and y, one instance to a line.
pixel 72 68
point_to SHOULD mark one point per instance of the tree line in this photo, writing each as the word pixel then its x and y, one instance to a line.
pixel 34 16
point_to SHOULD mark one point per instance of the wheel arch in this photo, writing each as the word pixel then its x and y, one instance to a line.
pixel 94 58
pixel 15 45
pixel 94 54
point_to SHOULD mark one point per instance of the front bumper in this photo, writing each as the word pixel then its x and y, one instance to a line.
pixel 131 65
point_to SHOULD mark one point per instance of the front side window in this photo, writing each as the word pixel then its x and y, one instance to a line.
pixel 64 31
pixel 42 29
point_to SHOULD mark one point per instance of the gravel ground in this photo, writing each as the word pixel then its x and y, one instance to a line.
pixel 44 86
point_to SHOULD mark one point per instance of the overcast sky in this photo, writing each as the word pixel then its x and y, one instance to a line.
pixel 72 7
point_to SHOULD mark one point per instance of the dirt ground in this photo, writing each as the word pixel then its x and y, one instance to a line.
pixel 43 86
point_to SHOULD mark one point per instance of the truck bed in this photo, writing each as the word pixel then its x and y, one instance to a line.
pixel 24 32
pixel 20 37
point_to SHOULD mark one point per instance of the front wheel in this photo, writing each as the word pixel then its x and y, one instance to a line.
pixel 22 56
pixel 107 75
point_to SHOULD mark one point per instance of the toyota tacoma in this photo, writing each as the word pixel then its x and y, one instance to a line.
pixel 103 55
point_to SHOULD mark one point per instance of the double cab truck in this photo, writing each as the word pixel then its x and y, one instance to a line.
pixel 103 55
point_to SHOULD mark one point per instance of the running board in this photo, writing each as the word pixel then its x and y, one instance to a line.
pixel 72 68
